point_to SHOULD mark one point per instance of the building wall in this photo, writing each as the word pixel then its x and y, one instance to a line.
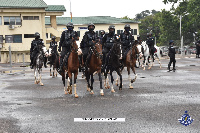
pixel 26 27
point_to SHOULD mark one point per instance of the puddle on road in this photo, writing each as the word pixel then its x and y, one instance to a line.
pixel 142 77
pixel 192 65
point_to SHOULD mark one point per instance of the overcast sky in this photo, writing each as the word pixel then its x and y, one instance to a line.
pixel 114 8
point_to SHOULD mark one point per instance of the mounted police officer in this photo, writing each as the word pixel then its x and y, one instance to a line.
pixel 65 43
pixel 87 41
pixel 171 54
pixel 126 39
pixel 150 43
pixel 108 41
pixel 53 46
pixel 34 49
pixel 102 33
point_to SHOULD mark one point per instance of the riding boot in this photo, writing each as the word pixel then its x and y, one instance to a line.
pixel 31 64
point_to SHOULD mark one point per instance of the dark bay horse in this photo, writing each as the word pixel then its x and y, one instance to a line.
pixel 69 68
pixel 94 64
pixel 53 57
pixel 38 63
pixel 130 63
pixel 113 65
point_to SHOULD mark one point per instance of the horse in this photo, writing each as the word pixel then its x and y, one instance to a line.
pixel 71 68
pixel 94 60
pixel 157 54
pixel 130 62
pixel 146 54
pixel 53 57
pixel 113 65
pixel 38 63
pixel 139 47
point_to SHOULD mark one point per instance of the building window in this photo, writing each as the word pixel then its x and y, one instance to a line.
pixel 12 20
pixel 0 21
pixel 17 38
pixel 46 35
pixel 30 17
pixel 29 36
pixel 6 21
pixel 13 38
pixel 1 39
pixel 18 21
pixel 135 31
pixel 119 32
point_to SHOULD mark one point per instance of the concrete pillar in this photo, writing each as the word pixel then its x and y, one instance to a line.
pixel 43 28
pixel 53 21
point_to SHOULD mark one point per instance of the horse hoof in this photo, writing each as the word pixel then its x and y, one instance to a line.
pixel 131 87
pixel 50 74
pixel 112 90
pixel 53 76
pixel 76 96
pixel 91 92
pixel 102 94
pixel 88 89
pixel 41 84
pixel 133 80
pixel 120 88
pixel 66 92
pixel 35 82
pixel 116 84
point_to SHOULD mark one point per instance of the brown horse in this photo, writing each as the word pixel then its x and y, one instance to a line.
pixel 130 63
pixel 71 67
pixel 94 64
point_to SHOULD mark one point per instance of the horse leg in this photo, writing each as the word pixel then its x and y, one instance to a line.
pixel 129 77
pixel 63 79
pixel 40 78
pixel 50 71
pixel 70 86
pixel 133 69
pixel 91 87
pixel 75 77
pixel 88 82
pixel 100 79
pixel 35 75
pixel 116 83
pixel 120 75
pixel 112 89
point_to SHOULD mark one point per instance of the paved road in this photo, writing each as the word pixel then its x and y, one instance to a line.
pixel 158 100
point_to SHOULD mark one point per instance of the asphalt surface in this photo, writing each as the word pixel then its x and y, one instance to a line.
pixel 158 100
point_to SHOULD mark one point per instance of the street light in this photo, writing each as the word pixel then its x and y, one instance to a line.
pixel 70 10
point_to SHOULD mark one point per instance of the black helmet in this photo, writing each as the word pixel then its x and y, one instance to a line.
pixel 90 24
pixel 54 37
pixel 102 31
pixel 70 25
pixel 37 35
pixel 127 26
pixel 111 27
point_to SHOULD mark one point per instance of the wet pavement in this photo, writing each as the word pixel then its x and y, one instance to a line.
pixel 158 100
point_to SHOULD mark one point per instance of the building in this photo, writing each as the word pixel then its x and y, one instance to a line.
pixel 20 19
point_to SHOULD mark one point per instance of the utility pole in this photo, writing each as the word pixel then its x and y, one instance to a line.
pixel 70 10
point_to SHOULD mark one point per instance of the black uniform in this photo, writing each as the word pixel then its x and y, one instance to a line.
pixel 35 44
pixel 197 48
pixel 87 42
pixel 127 39
pixel 108 41
pixel 171 54
pixel 65 43
pixel 150 43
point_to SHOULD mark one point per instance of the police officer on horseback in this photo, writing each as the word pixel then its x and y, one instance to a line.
pixel 87 42
pixel 34 50
pixel 127 40
pixel 53 46
pixel 150 43
pixel 171 54
pixel 108 41
pixel 65 43
pixel 102 34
